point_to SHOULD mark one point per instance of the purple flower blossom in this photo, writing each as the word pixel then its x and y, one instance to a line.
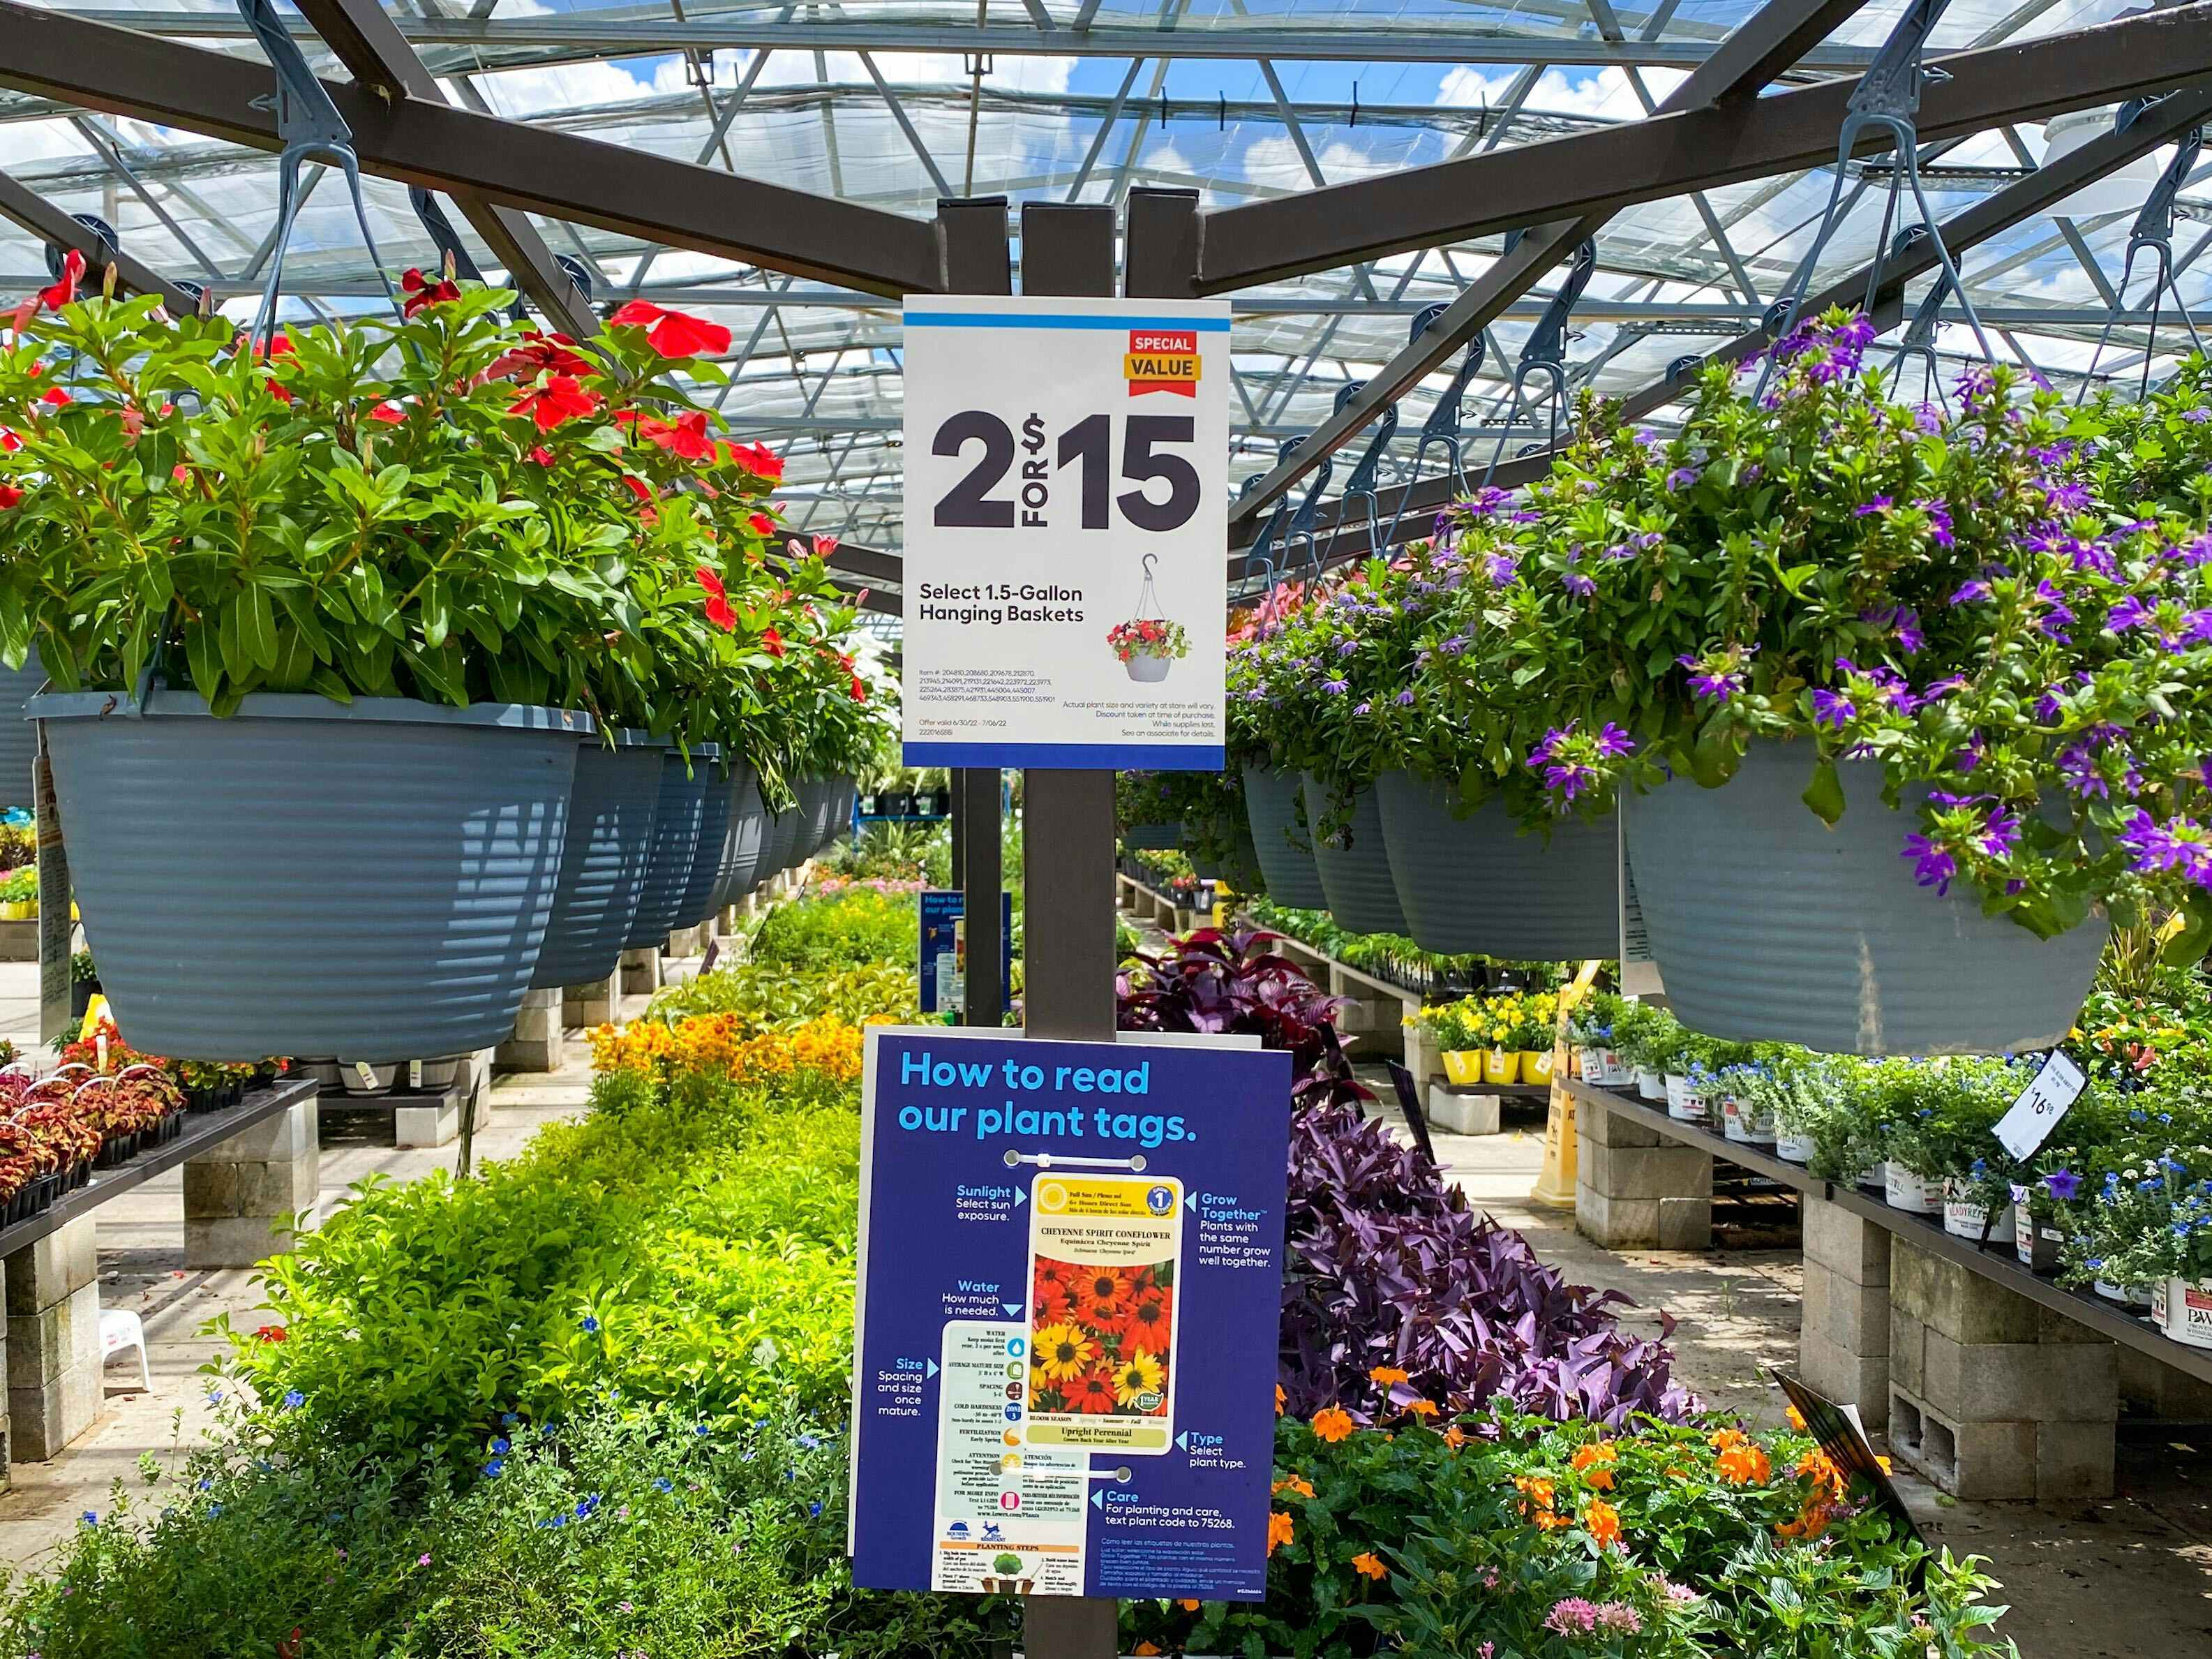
pixel 2077 770
pixel 2000 834
pixel 1455 645
pixel 1682 477
pixel 2197 416
pixel 1362 708
pixel 2060 613
pixel 1879 504
pixel 1336 688
pixel 1501 569
pixel 1933 866
pixel 1405 699
pixel 1346 647
pixel 1487 500
pixel 2063 1185
pixel 1939 528
pixel 1717 677
pixel 2069 497
pixel 1832 708
pixel 2177 846
pixel 1970 591
pixel 1929 419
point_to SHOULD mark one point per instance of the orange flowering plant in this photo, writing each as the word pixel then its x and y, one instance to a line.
pixel 1529 1539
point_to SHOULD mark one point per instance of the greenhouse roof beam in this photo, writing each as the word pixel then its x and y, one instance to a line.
pixel 561 37
pixel 1992 217
pixel 513 163
pixel 368 42
pixel 1722 95
pixel 51 225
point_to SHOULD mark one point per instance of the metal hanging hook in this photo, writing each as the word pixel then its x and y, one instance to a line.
pixel 1887 99
pixel 1443 426
pixel 312 130
pixel 1544 352
pixel 2152 231
pixel 1361 484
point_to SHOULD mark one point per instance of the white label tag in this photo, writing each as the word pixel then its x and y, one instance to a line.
pixel 2040 1105
pixel 414 1073
pixel 364 1075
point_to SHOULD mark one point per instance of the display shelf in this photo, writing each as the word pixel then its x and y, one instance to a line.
pixel 202 1130
pixel 2000 1266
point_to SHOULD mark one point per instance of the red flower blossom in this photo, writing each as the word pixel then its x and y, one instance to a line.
pixel 1091 1394
pixel 542 455
pixel 422 293
pixel 638 487
pixel 8 496
pixel 272 1334
pixel 671 333
pixel 280 392
pixel 757 459
pixel 760 524
pixel 389 413
pixel 772 641
pixel 821 548
pixel 857 691
pixel 56 396
pixel 559 399
pixel 540 354
pixel 685 436
pixel 54 298
pixel 717 604
pixel 10 443
pixel 179 472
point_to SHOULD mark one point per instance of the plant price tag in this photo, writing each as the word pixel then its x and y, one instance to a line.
pixel 1066 506
pixel 2040 1105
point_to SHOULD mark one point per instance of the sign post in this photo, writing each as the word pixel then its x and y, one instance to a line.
pixel 1001 670
pixel 1064 1365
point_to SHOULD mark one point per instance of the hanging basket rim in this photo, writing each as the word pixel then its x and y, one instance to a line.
pixel 168 703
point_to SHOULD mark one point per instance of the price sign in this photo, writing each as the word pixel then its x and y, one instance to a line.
pixel 1066 511
pixel 2028 1124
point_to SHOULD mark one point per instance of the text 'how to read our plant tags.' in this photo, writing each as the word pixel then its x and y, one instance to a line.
pixel 1066 506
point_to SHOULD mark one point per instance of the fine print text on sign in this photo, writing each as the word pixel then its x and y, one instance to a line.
pixel 1070 1284
pixel 2031 1118
pixel 1067 510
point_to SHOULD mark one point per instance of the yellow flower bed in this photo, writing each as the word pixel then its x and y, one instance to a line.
pixel 717 1045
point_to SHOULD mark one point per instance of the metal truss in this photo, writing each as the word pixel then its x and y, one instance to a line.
pixel 780 163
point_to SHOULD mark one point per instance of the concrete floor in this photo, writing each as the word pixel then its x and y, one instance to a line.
pixel 2118 1580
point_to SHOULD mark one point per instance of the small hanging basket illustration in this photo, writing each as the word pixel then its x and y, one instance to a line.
pixel 1148 644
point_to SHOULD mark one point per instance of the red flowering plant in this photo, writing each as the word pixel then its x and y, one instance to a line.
pixel 1148 636
pixel 447 505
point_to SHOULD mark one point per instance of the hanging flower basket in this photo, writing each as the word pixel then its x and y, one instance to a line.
pixel 1768 924
pixel 679 821
pixel 704 878
pixel 388 901
pixel 745 844
pixel 1479 886
pixel 604 860
pixel 18 739
pixel 1355 873
pixel 1279 838
pixel 1148 646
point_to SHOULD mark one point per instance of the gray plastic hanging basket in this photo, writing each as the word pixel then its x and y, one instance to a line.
pixel 1150 837
pixel 1477 886
pixel 371 879
pixel 1767 924
pixel 819 796
pixel 745 840
pixel 782 833
pixel 1355 874
pixel 1280 839
pixel 705 877
pixel 18 739
pixel 678 820
pixel 604 862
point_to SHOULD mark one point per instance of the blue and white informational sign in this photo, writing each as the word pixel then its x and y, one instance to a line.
pixel 1070 1289
pixel 944 966
pixel 1067 509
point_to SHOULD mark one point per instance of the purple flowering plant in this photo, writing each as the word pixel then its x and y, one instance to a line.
pixel 2004 610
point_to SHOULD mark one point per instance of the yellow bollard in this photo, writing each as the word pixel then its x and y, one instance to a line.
pixel 1555 1186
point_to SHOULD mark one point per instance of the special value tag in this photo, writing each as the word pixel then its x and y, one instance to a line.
pixel 2028 1124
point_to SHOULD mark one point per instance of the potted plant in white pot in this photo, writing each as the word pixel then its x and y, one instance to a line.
pixel 1928 688
pixel 391 567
